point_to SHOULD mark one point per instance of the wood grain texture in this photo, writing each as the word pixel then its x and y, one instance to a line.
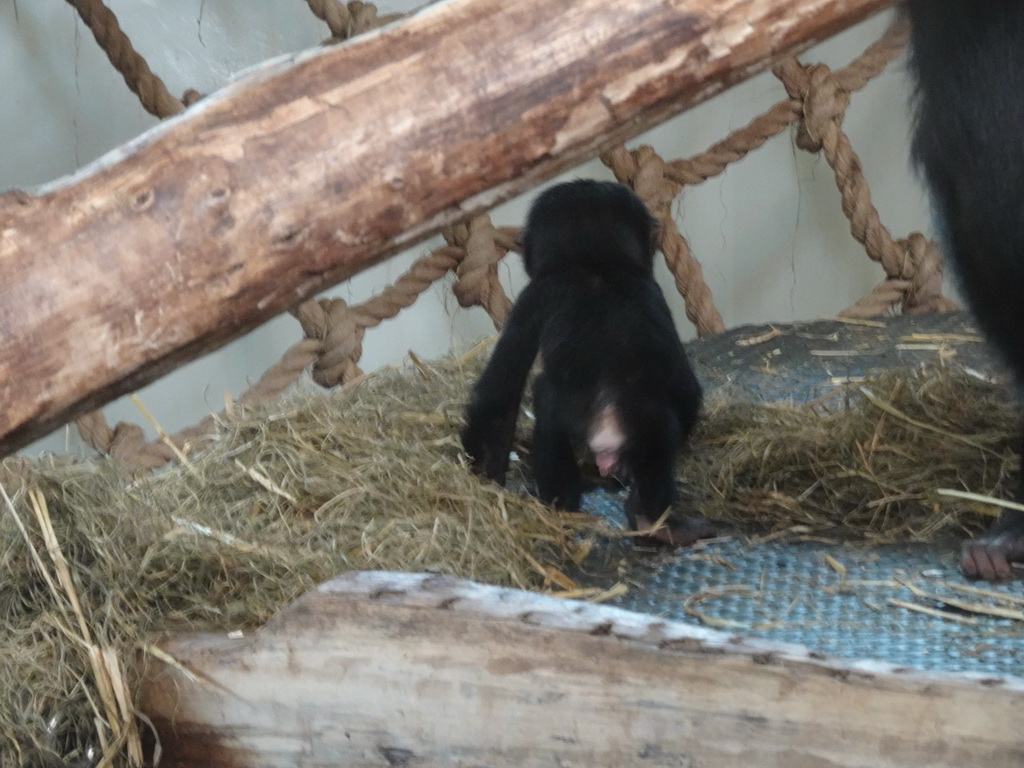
pixel 385 669
pixel 319 165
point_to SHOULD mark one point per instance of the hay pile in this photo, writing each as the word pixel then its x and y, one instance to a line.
pixel 282 499
pixel 865 462
pixel 99 564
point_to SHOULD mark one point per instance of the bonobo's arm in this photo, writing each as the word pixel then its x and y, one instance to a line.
pixel 989 556
pixel 493 409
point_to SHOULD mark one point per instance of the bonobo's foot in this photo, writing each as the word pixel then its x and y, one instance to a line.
pixel 674 532
pixel 989 556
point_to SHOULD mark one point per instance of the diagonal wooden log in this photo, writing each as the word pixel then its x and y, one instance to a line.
pixel 386 669
pixel 318 165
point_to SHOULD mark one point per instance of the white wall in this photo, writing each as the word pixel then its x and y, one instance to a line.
pixel 769 232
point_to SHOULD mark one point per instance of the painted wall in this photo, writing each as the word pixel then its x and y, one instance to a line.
pixel 769 232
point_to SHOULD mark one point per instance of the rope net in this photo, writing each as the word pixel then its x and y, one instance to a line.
pixel 333 330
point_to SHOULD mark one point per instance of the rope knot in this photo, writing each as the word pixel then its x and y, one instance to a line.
pixel 338 328
pixel 822 97
pixel 925 292
pixel 125 443
pixel 477 281
pixel 648 174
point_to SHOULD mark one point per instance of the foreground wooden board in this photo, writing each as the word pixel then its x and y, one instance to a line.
pixel 321 164
pixel 385 669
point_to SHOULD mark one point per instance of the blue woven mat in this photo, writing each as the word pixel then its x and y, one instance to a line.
pixel 794 594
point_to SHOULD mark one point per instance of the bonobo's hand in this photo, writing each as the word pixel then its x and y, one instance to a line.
pixel 989 556
pixel 488 442
pixel 674 532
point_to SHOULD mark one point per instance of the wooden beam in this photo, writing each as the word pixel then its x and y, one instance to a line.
pixel 378 669
pixel 319 165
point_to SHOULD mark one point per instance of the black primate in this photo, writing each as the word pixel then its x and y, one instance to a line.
pixel 968 57
pixel 615 377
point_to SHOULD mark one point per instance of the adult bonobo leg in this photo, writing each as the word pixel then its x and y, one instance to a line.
pixel 968 59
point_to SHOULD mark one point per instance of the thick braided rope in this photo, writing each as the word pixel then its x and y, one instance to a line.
pixel 340 328
pixel 645 171
pixel 741 142
pixel 817 104
pixel 825 102
pixel 484 246
pixel 346 21
pixel 150 89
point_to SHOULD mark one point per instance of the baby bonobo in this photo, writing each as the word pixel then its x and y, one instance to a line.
pixel 968 58
pixel 615 379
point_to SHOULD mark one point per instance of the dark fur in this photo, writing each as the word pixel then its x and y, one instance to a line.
pixel 606 338
pixel 968 57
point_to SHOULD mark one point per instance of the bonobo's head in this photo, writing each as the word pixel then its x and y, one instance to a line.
pixel 599 226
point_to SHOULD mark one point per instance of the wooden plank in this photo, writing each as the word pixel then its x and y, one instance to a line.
pixel 321 164
pixel 385 669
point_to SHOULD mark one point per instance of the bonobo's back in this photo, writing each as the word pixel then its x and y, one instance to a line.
pixel 612 331
pixel 589 247
pixel 594 226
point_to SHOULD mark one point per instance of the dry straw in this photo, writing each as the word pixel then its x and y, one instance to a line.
pixel 100 564
pixel 867 461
